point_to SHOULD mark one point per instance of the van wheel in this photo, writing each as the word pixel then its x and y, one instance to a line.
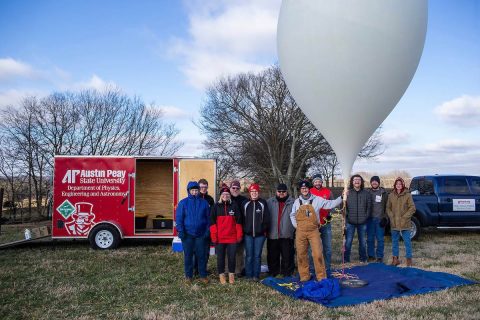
pixel 415 228
pixel 104 237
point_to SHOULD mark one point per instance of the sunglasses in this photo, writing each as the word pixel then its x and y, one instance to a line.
pixel 235 188
pixel 281 191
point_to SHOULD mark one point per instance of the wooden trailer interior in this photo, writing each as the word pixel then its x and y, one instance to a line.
pixel 154 196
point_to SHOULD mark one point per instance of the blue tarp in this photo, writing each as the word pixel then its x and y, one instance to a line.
pixel 384 282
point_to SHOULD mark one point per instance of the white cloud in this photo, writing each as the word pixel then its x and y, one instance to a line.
pixel 395 137
pixel 452 146
pixel 13 97
pixel 444 156
pixel 95 82
pixel 172 112
pixel 462 111
pixel 227 37
pixel 11 68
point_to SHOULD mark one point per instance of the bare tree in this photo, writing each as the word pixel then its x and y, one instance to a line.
pixel 254 123
pixel 84 123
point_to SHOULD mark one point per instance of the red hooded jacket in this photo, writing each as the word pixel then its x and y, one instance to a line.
pixel 226 223
pixel 325 194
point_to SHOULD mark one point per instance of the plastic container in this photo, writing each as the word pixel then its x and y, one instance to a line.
pixel 177 245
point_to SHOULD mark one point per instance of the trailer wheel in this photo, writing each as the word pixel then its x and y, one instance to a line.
pixel 415 228
pixel 104 237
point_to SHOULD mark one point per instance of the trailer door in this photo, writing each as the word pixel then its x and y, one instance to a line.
pixel 194 170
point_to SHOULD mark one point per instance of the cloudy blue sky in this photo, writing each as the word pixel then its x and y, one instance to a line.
pixel 168 51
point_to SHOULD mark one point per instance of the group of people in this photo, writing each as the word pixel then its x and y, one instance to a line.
pixel 239 226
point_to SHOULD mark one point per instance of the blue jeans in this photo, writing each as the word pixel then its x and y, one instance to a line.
pixel 253 255
pixel 406 240
pixel 194 245
pixel 362 246
pixel 374 231
pixel 326 236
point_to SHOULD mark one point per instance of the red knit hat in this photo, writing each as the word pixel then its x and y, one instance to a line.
pixel 254 187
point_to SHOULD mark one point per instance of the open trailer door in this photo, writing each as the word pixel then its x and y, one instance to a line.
pixel 194 170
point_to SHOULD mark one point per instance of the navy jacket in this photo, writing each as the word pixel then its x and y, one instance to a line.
pixel 193 215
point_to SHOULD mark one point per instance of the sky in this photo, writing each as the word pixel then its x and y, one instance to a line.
pixel 168 52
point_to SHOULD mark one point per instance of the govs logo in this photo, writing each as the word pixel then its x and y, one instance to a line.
pixel 79 217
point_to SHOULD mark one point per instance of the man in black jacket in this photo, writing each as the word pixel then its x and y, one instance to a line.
pixel 359 207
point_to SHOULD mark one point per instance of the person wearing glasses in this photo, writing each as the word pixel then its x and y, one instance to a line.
pixel 325 227
pixel 203 193
pixel 280 243
pixel 358 210
pixel 236 197
pixel 256 217
pixel 203 183
pixel 305 216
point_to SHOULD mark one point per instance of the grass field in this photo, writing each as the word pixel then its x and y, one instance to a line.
pixel 144 280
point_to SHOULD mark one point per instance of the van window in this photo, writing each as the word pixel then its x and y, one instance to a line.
pixel 455 185
pixel 475 185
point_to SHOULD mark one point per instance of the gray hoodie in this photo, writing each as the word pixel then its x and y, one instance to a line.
pixel 317 203
pixel 286 228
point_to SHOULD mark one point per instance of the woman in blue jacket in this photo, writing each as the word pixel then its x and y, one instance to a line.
pixel 193 222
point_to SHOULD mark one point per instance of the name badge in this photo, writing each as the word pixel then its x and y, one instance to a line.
pixel 378 198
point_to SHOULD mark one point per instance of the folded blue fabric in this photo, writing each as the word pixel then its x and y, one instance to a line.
pixel 319 291
pixel 384 282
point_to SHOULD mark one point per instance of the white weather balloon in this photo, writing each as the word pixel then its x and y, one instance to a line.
pixel 347 63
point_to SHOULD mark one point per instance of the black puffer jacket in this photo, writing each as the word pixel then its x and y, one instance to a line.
pixel 359 206
pixel 256 217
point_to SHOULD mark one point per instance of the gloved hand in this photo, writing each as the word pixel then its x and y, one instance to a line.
pixel 181 235
pixel 384 222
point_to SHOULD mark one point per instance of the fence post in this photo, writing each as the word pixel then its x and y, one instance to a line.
pixel 1 208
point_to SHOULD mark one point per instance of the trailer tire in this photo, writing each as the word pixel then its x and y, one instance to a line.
pixel 104 237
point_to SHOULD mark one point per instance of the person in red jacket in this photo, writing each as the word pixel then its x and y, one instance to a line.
pixel 226 231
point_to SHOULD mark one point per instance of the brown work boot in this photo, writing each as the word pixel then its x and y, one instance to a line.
pixel 409 262
pixel 395 261
pixel 223 279
pixel 204 280
pixel 231 278
pixel 188 280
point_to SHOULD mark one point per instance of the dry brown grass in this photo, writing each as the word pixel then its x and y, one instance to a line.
pixel 144 280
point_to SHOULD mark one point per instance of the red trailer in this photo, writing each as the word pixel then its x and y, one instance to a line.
pixel 107 198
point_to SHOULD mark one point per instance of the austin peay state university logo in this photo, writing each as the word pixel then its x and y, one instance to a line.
pixel 81 220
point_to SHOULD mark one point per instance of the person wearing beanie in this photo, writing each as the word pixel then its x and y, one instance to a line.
pixel 256 217
pixel 192 223
pixel 325 228
pixel 203 193
pixel 400 209
pixel 377 221
pixel 240 255
pixel 280 243
pixel 358 210
pixel 225 231
pixel 305 217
